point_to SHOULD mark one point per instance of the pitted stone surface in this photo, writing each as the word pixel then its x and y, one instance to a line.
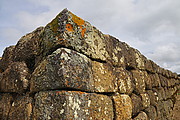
pixel 141 116
pixel 66 68
pixel 21 108
pixel 139 81
pixel 15 78
pixel 7 58
pixel 123 107
pixel 5 105
pixel 73 105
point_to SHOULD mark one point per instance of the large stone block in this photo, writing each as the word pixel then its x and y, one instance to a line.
pixel 155 80
pixel 72 105
pixel 5 105
pixel 21 108
pixel 67 69
pixel 152 113
pixel 15 78
pixel 7 58
pixel 104 77
pixel 71 31
pixel 137 104
pixel 153 97
pixel 160 93
pixel 148 81
pixel 145 100
pixel 117 51
pixel 163 109
pixel 124 80
pixel 141 116
pixel 28 48
pixel 139 81
pixel 123 107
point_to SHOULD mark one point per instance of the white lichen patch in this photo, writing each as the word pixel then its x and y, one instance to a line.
pixel 139 60
pixel 75 115
pixel 122 86
pixel 74 104
pixel 100 88
pixel 62 111
pixel 122 59
pixel 65 56
pixel 89 103
pixel 101 68
pixel 115 58
pixel 145 100
pixel 64 104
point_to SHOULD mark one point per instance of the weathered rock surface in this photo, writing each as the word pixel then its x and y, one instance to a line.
pixel 123 107
pixel 73 105
pixel 15 78
pixel 70 70
pixel 21 108
pixel 141 116
pixel 5 105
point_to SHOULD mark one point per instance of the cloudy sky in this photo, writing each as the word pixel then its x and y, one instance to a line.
pixel 151 26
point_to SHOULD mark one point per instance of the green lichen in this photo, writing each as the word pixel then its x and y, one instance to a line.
pixel 54 24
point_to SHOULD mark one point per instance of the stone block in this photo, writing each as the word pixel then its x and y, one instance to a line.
pixel 15 78
pixel 145 100
pixel 141 116
pixel 5 105
pixel 123 106
pixel 21 108
pixel 131 57
pixel 73 105
pixel 137 105
pixel 155 80
pixel 71 31
pixel 148 81
pixel 163 109
pixel 67 69
pixel 163 81
pixel 161 93
pixel 124 80
pixel 153 97
pixel 7 58
pixel 151 113
pixel 117 51
pixel 139 81
pixel 28 48
pixel 104 78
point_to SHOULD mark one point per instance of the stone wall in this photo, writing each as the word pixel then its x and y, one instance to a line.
pixel 69 70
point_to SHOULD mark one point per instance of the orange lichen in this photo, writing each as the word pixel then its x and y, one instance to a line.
pixel 69 27
pixel 77 20
pixel 83 31
pixel 80 22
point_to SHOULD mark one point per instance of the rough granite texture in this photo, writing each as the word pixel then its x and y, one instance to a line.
pixel 69 70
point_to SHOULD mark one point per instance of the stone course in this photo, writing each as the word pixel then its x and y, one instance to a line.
pixel 69 70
